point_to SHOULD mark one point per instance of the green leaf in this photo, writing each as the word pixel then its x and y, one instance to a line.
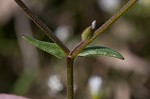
pixel 51 48
pixel 100 51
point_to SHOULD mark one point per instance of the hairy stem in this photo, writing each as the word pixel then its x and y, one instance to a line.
pixel 43 27
pixel 106 25
pixel 70 85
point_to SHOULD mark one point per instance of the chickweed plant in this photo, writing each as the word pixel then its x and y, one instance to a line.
pixel 58 49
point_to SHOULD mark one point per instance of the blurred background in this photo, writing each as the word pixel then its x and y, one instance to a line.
pixel 27 71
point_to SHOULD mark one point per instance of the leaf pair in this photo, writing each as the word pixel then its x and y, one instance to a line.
pixel 55 50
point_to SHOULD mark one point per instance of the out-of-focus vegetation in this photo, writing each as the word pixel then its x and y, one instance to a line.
pixel 24 70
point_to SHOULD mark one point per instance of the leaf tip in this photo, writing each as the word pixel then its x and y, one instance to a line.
pixel 118 55
pixel 122 58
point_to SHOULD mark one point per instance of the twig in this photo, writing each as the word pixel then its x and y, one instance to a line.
pixel 42 26
pixel 106 25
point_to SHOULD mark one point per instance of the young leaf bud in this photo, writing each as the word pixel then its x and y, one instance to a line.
pixel 88 32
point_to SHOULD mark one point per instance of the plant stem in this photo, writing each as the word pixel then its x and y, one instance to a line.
pixel 106 25
pixel 43 27
pixel 70 86
pixel 115 17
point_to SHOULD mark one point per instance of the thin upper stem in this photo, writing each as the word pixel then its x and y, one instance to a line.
pixel 114 18
pixel 106 25
pixel 43 27
pixel 70 86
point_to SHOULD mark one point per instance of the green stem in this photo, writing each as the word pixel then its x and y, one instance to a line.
pixel 70 85
pixel 114 18
pixel 43 27
pixel 106 25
